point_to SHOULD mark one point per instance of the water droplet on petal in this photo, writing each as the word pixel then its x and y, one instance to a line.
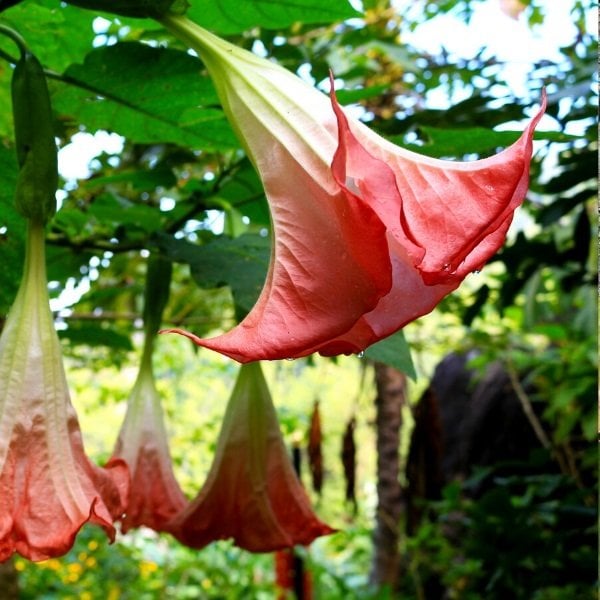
pixel 476 271
pixel 361 354
pixel 290 359
pixel 352 186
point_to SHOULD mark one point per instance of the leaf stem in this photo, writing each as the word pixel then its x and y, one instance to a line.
pixel 527 407
pixel 16 37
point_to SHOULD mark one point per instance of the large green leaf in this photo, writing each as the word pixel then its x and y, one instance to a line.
pixel 241 263
pixel 6 120
pixel 150 95
pixel 452 142
pixel 140 179
pixel 116 210
pixel 96 334
pixel 12 231
pixel 395 352
pixel 233 16
pixel 57 35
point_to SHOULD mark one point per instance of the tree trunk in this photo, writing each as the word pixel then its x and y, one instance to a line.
pixel 391 396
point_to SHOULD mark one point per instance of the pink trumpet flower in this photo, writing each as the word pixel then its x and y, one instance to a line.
pixel 142 443
pixel 48 487
pixel 252 493
pixel 367 236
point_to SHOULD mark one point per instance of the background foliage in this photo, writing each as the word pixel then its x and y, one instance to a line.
pixel 179 184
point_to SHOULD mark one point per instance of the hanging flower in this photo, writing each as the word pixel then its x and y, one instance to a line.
pixel 142 443
pixel 48 487
pixel 444 220
pixel 367 236
pixel 252 493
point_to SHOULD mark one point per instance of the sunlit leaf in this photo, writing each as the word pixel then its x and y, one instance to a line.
pixel 150 95
pixel 449 142
pixel 12 231
pixel 240 263
pixel 232 16
pixel 395 352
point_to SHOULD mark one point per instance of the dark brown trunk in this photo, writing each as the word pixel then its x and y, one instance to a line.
pixel 391 397
pixel 349 463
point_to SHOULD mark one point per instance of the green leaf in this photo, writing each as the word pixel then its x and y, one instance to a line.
pixel 355 95
pixel 395 352
pixel 134 8
pixel 67 36
pixel 453 142
pixel 245 192
pixel 120 211
pixel 233 16
pixel 150 95
pixel 140 180
pixel 93 334
pixel 57 35
pixel 12 231
pixel 6 120
pixel 65 263
pixel 241 263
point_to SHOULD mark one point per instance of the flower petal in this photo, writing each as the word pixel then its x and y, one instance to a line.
pixel 325 249
pixel 443 212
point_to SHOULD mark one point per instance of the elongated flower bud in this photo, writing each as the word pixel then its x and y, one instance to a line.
pixel 34 136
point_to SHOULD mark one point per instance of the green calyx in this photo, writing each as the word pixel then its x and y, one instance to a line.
pixel 153 9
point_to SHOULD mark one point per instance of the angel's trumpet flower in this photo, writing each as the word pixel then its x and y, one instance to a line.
pixel 142 442
pixel 252 493
pixel 367 236
pixel 48 487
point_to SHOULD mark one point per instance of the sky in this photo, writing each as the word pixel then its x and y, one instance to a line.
pixel 511 40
